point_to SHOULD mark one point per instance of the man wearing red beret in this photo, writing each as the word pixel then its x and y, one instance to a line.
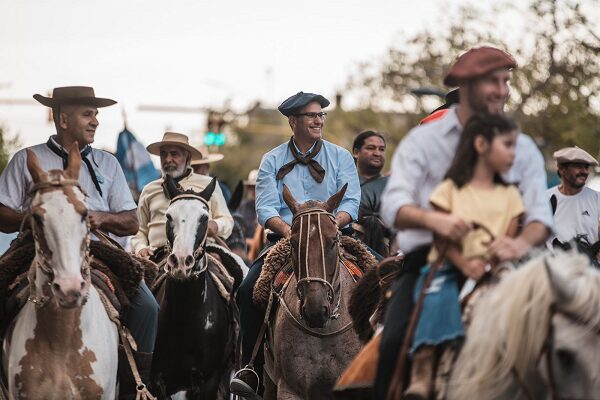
pixel 419 165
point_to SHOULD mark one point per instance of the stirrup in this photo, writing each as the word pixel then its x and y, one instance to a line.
pixel 241 388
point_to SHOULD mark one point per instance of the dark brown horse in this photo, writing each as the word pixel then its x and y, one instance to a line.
pixel 197 328
pixel 311 340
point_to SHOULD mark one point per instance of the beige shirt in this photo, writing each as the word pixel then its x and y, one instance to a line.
pixel 493 208
pixel 153 205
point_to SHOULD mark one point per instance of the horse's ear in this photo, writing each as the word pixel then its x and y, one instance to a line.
pixel 171 186
pixel 334 201
pixel 74 164
pixel 33 165
pixel 208 191
pixel 236 197
pixel 564 287
pixel 290 200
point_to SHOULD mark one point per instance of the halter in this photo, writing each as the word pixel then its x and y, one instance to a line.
pixel 546 350
pixel 307 278
pixel 42 259
pixel 200 252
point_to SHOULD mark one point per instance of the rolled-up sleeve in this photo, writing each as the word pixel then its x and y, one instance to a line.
pixel 268 203
pixel 532 184
pixel 347 174
pixel 13 185
pixel 220 213
pixel 408 170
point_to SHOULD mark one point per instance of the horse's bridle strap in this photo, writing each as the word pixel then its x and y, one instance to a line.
pixel 190 196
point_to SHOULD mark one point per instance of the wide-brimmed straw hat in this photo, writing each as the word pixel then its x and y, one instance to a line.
pixel 252 175
pixel 73 95
pixel 207 157
pixel 174 139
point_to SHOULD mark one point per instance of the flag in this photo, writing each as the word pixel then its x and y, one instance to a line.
pixel 135 161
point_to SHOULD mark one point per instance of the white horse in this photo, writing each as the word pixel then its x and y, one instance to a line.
pixel 62 344
pixel 535 335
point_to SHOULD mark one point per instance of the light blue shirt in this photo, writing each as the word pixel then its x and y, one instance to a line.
pixel 339 169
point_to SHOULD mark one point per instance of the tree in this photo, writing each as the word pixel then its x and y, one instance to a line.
pixel 555 90
pixel 7 146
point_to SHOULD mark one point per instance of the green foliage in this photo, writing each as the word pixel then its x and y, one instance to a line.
pixel 7 146
pixel 555 89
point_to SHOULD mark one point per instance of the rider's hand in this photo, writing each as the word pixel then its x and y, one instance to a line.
pixel 448 226
pixel 96 219
pixel 474 268
pixel 507 248
pixel 146 252
pixel 287 233
pixel 213 228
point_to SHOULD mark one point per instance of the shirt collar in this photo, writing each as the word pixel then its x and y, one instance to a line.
pixel 307 152
pixel 450 121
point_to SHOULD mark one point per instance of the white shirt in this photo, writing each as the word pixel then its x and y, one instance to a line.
pixel 422 159
pixel 578 214
pixel 16 181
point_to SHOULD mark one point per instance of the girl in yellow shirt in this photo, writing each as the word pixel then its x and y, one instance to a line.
pixel 474 191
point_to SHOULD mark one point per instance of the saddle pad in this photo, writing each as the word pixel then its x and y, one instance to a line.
pixel 282 277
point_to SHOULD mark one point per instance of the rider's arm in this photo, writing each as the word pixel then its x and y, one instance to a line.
pixel 279 226
pixel 268 202
pixel 221 218
pixel 350 203
pixel 140 240
pixel 10 220
pixel 124 223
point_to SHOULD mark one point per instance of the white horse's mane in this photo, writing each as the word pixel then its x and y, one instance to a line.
pixel 511 321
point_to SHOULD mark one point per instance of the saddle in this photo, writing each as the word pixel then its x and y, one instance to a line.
pixel 277 270
pixel 114 272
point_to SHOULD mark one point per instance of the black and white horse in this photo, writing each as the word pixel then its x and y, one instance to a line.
pixel 197 337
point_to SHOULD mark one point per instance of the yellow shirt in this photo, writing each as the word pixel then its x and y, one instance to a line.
pixel 153 205
pixel 493 208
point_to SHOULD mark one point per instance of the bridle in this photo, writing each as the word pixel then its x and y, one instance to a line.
pixel 200 262
pixel 42 260
pixel 546 351
pixel 307 278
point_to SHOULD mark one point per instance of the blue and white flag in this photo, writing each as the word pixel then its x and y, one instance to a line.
pixel 135 161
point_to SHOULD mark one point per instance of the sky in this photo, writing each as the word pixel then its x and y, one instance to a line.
pixel 188 54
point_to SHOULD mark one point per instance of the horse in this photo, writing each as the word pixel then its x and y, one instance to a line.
pixel 62 343
pixel 197 338
pixel 536 335
pixel 311 340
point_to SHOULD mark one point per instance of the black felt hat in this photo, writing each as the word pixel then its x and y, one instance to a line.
pixel 299 100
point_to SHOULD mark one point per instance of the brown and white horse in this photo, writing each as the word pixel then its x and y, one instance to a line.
pixel 62 345
pixel 311 341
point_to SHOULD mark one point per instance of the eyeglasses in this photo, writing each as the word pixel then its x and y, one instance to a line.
pixel 313 115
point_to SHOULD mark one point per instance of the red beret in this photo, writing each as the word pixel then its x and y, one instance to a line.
pixel 476 63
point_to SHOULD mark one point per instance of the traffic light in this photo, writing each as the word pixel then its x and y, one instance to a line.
pixel 214 135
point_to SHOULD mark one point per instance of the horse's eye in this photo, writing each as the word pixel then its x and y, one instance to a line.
pixel 84 215
pixel 38 219
pixel 169 218
pixel 565 357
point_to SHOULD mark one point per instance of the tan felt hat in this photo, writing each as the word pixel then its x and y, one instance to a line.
pixel 174 139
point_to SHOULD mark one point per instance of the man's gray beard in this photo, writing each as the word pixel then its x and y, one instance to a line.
pixel 177 173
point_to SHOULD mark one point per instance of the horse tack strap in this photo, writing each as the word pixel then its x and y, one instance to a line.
pixel 128 344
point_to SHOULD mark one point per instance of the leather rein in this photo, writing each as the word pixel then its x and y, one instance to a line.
pixel 42 259
pixel 305 278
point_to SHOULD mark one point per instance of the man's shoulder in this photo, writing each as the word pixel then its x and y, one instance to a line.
pixel 336 149
pixel 104 158
pixel 591 193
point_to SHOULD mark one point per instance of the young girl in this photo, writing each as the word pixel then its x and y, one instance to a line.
pixel 474 191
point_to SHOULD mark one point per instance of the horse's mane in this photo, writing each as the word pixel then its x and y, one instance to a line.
pixel 511 321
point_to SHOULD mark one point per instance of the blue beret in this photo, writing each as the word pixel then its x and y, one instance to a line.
pixel 299 100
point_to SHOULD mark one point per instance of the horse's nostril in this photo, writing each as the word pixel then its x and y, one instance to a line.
pixel 82 285
pixel 189 261
pixel 56 287
pixel 172 260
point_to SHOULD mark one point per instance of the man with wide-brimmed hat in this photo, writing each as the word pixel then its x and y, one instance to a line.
pixel 576 207
pixel 176 156
pixel 312 169
pixel 419 165
pixel 110 204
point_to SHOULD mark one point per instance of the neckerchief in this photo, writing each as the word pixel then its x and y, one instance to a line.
pixel 315 169
pixel 59 151
pixel 177 180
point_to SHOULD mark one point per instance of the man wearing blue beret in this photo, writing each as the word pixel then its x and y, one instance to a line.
pixel 312 169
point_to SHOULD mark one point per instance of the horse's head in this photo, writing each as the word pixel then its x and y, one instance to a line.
pixel 60 227
pixel 315 256
pixel 187 227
